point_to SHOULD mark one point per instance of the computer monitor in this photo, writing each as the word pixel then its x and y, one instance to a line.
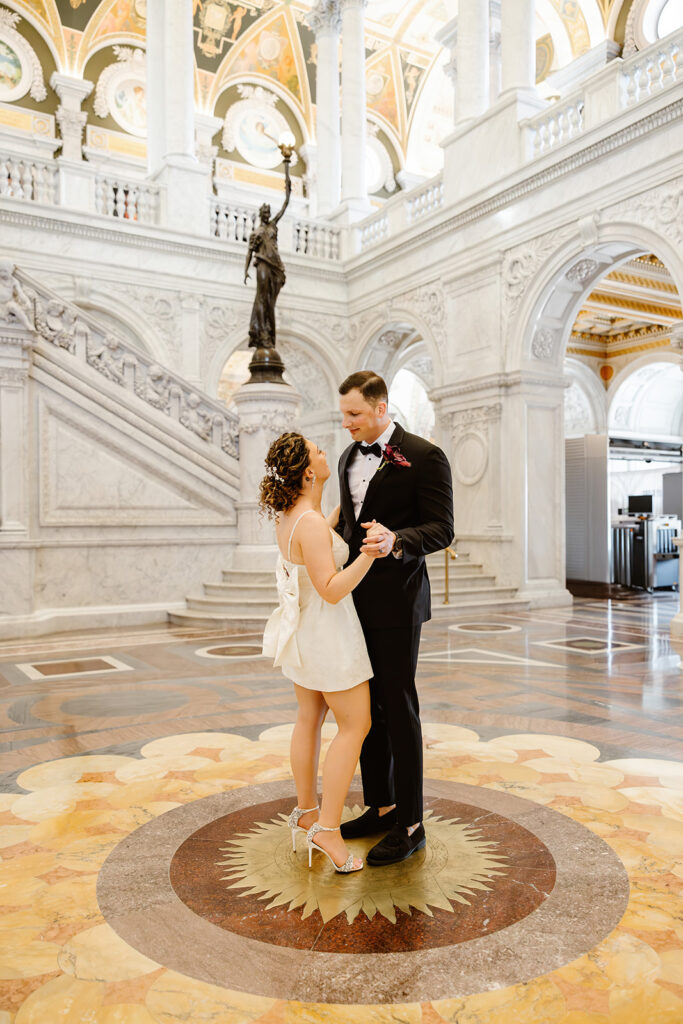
pixel 640 503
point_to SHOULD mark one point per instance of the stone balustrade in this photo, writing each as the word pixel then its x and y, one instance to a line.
pixel 424 199
pixel 22 177
pixel 127 199
pixel 618 87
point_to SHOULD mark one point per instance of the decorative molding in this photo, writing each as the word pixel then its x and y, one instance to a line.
pixel 544 343
pixel 464 419
pixel 15 304
pixel 524 261
pixel 276 421
pixel 325 17
pixel 28 57
pixel 131 64
pixel 13 375
pixel 582 271
pixel 660 208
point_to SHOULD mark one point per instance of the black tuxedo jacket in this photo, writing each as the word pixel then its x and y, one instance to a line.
pixel 417 503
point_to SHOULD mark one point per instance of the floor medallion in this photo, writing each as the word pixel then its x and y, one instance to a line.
pixel 214 890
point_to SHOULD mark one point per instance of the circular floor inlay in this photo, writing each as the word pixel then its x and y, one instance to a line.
pixel 538 891
pixel 479 872
pixel 483 627
pixel 231 651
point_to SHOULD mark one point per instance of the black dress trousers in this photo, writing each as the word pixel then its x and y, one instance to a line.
pixel 391 757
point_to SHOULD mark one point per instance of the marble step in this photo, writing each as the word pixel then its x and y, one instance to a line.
pixel 245 577
pixel 247 590
pixel 208 620
pixel 233 604
pixel 461 607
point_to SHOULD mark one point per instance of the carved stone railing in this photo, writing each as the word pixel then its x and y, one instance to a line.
pixel 424 200
pixel 312 238
pixel 232 221
pixel 373 230
pixel 22 177
pixel 649 71
pixel 75 332
pixel 618 87
pixel 126 199
pixel 562 122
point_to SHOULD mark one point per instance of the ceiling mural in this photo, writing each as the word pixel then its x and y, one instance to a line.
pixel 268 44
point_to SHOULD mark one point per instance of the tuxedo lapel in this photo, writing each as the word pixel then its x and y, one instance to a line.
pixel 344 492
pixel 382 471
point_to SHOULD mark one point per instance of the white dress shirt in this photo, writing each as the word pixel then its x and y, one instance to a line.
pixel 362 468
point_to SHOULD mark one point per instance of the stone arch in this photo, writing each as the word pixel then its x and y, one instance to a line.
pixel 636 368
pixel 319 357
pixel 390 342
pixel 562 278
pixel 592 390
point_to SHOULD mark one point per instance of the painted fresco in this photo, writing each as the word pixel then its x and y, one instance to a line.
pixel 381 89
pixel 125 16
pixel 76 14
pixel 572 15
pixel 217 26
pixel 38 7
pixel 270 53
pixel 11 71
pixel 309 49
pixel 545 53
pixel 412 77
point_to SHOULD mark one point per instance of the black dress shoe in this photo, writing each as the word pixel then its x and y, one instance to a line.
pixel 369 823
pixel 397 845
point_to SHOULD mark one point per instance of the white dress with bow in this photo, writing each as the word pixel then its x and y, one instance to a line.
pixel 316 644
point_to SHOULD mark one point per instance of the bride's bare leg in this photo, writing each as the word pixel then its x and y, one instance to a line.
pixel 351 709
pixel 305 749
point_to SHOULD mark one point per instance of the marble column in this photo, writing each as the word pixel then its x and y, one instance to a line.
pixel 472 60
pixel 325 20
pixel 354 134
pixel 265 411
pixel 16 555
pixel 172 160
pixel 518 41
pixel 448 38
pixel 76 183
pixel 495 50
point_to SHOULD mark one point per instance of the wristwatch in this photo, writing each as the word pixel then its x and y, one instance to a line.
pixel 397 550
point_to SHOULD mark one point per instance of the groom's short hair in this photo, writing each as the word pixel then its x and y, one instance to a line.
pixel 370 384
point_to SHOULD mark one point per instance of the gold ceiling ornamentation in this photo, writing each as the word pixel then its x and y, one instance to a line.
pixel 455 864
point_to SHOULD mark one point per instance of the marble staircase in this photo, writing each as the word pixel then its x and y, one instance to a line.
pixel 244 599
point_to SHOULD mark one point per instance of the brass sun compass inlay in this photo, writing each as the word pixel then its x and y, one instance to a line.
pixel 456 863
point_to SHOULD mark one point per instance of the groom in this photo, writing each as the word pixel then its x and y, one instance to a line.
pixel 397 500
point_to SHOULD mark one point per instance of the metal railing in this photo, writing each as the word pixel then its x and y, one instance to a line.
pixel 449 556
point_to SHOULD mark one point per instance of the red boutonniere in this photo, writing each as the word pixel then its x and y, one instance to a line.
pixel 394 457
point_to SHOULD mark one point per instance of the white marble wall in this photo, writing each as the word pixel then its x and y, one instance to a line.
pixel 489 283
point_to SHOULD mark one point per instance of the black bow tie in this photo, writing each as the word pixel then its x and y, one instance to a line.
pixel 370 449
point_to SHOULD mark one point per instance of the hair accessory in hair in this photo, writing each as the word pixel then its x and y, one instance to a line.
pixel 274 475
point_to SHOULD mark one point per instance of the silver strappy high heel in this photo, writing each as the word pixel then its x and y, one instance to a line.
pixel 293 821
pixel 346 867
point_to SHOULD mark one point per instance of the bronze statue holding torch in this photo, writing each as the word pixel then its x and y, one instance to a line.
pixel 266 365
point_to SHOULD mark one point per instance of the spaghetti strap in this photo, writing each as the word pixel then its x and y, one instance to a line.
pixel 296 523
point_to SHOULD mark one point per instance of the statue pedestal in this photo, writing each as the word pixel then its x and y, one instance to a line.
pixel 265 411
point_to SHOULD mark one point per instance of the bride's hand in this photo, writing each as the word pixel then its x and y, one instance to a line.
pixel 379 540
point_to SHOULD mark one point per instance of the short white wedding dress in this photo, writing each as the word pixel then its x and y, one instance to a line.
pixel 316 644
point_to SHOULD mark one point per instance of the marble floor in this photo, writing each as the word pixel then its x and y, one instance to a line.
pixel 147 874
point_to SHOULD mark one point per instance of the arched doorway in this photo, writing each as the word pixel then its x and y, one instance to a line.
pixel 623 412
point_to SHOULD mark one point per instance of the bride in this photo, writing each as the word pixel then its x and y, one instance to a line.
pixel 315 637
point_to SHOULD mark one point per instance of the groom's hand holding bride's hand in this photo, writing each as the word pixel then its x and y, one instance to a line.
pixel 378 541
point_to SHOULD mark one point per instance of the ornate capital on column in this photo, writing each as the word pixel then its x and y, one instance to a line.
pixel 71 120
pixel 325 17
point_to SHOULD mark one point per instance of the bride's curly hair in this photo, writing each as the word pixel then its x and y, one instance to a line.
pixel 286 463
